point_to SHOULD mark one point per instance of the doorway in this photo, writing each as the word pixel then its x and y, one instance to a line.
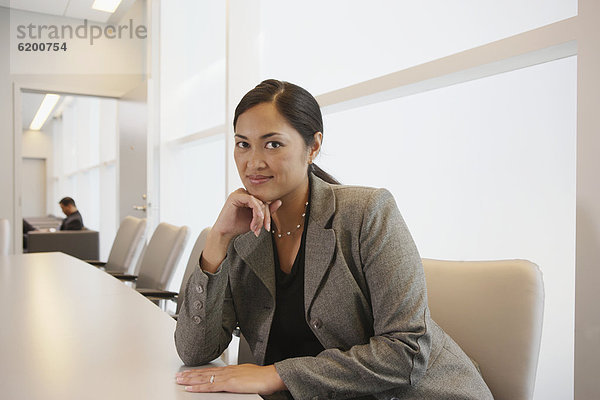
pixel 71 153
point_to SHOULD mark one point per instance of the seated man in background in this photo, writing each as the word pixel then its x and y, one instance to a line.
pixel 73 222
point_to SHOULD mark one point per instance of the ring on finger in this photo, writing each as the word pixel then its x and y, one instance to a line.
pixel 212 379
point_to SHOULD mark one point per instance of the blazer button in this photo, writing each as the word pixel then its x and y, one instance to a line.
pixel 316 323
pixel 197 319
pixel 199 289
pixel 198 305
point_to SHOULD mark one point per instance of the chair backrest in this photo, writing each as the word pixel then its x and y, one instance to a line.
pixel 83 244
pixel 126 245
pixel 192 263
pixel 4 236
pixel 161 256
pixel 494 311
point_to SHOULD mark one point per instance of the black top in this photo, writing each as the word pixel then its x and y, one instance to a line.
pixel 73 222
pixel 290 334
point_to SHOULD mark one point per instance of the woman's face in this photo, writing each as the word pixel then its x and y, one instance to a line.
pixel 271 156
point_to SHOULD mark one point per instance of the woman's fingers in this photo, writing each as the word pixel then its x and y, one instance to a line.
pixel 270 209
pixel 267 221
pixel 274 206
pixel 258 216
pixel 200 382
pixel 203 380
pixel 198 371
pixel 245 378
pixel 243 199
pixel 261 212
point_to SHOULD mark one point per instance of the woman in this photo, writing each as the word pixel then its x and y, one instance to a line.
pixel 330 294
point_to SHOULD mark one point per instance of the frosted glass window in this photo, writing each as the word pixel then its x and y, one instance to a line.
pixel 57 148
pixel 108 209
pixel 85 167
pixel 82 134
pixel 193 189
pixel 92 145
pixel 481 170
pixel 86 195
pixel 331 44
pixel 107 128
pixel 68 161
pixel 192 66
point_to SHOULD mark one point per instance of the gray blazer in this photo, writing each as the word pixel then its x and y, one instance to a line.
pixel 365 300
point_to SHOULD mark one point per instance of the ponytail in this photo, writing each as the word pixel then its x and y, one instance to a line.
pixel 319 173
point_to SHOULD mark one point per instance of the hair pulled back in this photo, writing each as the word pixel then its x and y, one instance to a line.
pixel 296 105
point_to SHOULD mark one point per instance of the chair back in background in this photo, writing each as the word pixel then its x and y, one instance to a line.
pixel 192 263
pixel 126 246
pixel 161 256
pixel 494 311
pixel 4 237
pixel 83 244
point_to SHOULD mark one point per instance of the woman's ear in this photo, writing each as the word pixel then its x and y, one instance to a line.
pixel 316 147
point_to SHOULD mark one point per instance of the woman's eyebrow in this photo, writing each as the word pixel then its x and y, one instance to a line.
pixel 265 136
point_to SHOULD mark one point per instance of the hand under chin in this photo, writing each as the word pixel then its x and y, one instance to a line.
pixel 265 198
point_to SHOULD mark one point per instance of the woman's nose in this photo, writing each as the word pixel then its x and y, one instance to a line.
pixel 256 160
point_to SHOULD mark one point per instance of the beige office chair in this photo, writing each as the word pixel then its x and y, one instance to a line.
pixel 494 311
pixel 126 246
pixel 154 294
pixel 4 237
pixel 160 257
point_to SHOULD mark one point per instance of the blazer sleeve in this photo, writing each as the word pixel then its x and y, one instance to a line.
pixel 398 352
pixel 207 318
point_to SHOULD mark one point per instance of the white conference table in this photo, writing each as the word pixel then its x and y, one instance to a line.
pixel 70 331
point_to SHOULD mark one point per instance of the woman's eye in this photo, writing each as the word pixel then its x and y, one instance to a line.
pixel 273 145
pixel 242 145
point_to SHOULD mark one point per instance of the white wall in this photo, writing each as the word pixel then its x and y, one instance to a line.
pixel 38 144
pixel 326 45
pixel 481 170
pixel 126 55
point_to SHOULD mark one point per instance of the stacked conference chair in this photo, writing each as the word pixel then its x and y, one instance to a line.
pixel 125 248
pixel 494 311
pixel 156 294
pixel 160 257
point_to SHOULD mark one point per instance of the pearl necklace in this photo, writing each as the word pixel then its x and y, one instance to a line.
pixel 280 235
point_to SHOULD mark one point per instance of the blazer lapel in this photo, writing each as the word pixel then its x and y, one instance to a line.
pixel 257 253
pixel 320 240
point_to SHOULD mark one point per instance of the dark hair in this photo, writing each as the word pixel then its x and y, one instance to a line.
pixel 296 105
pixel 67 201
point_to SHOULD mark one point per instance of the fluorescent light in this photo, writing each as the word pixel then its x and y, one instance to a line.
pixel 44 111
pixel 106 5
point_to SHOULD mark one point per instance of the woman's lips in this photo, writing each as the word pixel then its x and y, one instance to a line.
pixel 258 179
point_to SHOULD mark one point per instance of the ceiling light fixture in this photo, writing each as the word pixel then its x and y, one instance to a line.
pixel 106 5
pixel 44 111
